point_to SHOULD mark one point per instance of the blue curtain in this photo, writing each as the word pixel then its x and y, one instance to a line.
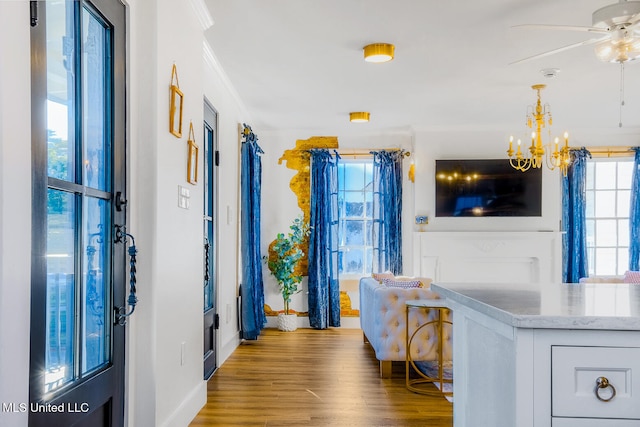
pixel 324 291
pixel 252 288
pixel 574 241
pixel 387 211
pixel 634 216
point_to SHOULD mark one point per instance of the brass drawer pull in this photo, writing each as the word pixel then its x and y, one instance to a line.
pixel 603 383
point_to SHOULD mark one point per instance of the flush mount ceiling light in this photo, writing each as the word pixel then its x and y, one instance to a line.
pixel 378 52
pixel 359 117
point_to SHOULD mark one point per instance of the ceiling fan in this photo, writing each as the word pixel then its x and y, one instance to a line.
pixel 618 29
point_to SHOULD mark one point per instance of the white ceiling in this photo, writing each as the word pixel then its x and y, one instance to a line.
pixel 298 65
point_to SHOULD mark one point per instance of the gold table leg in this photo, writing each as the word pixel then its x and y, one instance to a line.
pixel 410 366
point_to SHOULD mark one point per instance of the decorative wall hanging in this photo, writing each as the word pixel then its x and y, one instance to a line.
pixel 192 162
pixel 175 106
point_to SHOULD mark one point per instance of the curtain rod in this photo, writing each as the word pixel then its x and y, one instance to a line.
pixel 619 151
pixel 367 153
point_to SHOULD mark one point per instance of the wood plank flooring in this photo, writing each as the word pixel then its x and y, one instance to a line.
pixel 314 378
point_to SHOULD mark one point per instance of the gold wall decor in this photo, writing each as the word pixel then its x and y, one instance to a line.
pixel 175 104
pixel 192 160
pixel 298 159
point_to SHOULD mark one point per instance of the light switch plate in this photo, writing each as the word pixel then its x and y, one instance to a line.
pixel 183 197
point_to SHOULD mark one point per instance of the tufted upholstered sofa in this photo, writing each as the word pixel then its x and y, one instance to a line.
pixel 383 318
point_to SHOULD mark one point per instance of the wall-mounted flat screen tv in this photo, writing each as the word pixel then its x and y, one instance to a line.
pixel 486 188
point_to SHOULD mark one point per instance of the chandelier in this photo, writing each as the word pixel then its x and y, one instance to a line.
pixel 539 117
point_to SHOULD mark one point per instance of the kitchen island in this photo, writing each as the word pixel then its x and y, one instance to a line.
pixel 555 355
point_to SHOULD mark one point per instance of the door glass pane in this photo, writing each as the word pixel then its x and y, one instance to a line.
pixel 60 310
pixel 208 282
pixel 60 91
pixel 95 321
pixel 95 115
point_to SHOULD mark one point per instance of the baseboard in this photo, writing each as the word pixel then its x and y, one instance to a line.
pixel 303 322
pixel 189 407
pixel 225 350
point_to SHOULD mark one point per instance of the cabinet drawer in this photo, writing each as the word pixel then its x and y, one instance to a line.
pixel 573 382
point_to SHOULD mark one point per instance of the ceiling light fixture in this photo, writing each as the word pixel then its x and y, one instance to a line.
pixel 540 116
pixel 623 49
pixel 378 52
pixel 359 117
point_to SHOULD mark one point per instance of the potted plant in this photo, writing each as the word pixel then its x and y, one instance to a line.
pixel 284 255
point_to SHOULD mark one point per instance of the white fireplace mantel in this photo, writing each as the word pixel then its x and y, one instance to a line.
pixel 488 256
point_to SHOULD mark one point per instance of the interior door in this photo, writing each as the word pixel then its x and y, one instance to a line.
pixel 78 164
pixel 211 318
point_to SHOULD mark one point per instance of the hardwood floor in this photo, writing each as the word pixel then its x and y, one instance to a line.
pixel 314 378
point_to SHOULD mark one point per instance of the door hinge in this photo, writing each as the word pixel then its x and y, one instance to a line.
pixel 33 11
pixel 216 321
pixel 217 158
pixel 120 202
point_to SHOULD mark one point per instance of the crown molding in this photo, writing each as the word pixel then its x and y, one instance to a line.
pixel 214 65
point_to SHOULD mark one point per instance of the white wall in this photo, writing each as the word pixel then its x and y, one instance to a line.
pixel 15 207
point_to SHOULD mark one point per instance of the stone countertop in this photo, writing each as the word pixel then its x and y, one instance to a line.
pixel 607 306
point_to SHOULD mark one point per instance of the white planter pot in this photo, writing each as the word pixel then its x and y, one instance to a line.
pixel 287 322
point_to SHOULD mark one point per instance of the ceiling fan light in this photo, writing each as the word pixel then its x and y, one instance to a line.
pixel 617 51
pixel 378 52
pixel 605 51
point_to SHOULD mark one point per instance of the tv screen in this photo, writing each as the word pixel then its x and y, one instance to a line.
pixel 486 188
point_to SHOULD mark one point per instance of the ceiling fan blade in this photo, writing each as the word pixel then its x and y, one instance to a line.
pixel 562 27
pixel 561 49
